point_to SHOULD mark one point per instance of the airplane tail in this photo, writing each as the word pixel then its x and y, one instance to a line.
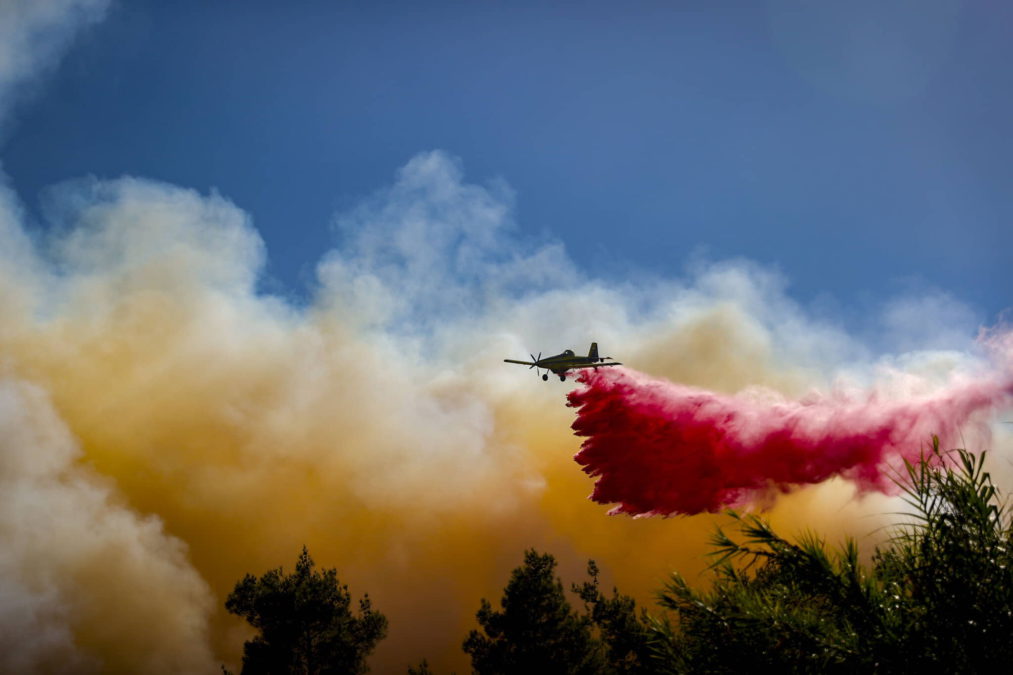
pixel 593 352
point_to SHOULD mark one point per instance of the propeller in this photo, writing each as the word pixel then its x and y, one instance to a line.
pixel 535 362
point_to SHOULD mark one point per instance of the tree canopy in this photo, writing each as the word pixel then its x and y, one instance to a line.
pixel 305 622
pixel 537 626
pixel 937 598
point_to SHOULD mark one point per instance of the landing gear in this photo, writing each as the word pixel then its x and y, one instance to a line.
pixel 545 377
pixel 562 378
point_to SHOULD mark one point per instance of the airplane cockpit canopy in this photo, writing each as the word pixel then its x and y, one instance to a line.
pixel 568 352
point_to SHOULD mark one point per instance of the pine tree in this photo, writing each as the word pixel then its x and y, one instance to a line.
pixel 536 628
pixel 305 622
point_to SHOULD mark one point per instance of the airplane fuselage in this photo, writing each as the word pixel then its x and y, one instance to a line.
pixel 561 363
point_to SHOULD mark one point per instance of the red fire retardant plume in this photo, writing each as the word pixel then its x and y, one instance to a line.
pixel 659 448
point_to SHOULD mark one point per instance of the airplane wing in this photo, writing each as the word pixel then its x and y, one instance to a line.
pixel 523 363
pixel 594 365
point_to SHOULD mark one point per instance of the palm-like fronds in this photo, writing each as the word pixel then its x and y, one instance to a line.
pixel 940 595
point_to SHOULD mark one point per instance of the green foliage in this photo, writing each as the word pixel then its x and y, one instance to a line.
pixel 623 635
pixel 305 621
pixel 538 629
pixel 803 608
pixel 950 572
pixel 938 598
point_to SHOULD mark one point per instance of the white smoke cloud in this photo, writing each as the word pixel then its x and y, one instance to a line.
pixel 33 36
pixel 433 247
pixel 81 575
pixel 929 319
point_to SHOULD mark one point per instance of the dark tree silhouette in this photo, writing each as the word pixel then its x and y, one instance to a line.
pixel 536 631
pixel 422 669
pixel 305 621
pixel 937 598
pixel 624 635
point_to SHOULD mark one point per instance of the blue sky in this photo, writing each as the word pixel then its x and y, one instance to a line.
pixel 863 151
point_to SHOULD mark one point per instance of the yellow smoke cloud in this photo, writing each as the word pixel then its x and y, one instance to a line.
pixel 167 429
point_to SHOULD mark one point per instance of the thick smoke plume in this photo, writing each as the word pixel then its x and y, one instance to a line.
pixel 659 448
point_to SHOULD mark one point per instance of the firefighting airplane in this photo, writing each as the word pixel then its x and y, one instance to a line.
pixel 560 363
